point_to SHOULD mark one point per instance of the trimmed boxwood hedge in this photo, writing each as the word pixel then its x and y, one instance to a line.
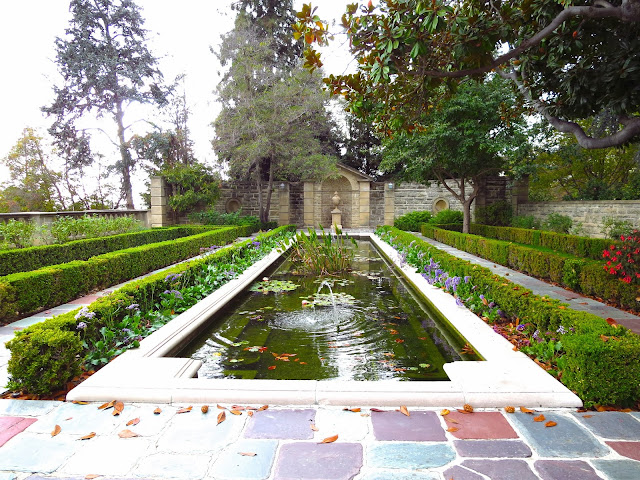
pixel 579 274
pixel 21 293
pixel 602 362
pixel 32 258
pixel 54 345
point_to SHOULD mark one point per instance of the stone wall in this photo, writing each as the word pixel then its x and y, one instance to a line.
pixel 414 196
pixel 246 194
pixel 46 218
pixel 589 213
pixel 376 204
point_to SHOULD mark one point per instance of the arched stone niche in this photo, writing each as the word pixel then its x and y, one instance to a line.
pixel 439 204
pixel 345 192
pixel 232 205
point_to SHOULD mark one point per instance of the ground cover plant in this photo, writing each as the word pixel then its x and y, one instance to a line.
pixel 47 355
pixel 411 221
pixel 597 360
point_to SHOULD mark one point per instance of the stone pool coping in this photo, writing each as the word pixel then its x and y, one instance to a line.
pixel 505 377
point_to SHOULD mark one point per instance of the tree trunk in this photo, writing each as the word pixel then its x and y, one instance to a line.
pixel 125 157
pixel 269 191
pixel 260 203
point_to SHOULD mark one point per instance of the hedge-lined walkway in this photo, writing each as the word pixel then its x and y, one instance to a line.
pixel 7 332
pixel 575 300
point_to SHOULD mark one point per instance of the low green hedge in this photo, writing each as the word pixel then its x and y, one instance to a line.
pixel 54 346
pixel 21 293
pixel 602 363
pixel 581 275
pixel 33 258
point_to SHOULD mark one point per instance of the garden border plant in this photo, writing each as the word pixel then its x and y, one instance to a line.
pixel 600 362
pixel 116 322
pixel 21 293
pixel 544 258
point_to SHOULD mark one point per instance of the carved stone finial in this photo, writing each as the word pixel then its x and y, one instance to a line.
pixel 335 199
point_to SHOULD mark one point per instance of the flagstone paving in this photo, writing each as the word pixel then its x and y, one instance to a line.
pixel 281 443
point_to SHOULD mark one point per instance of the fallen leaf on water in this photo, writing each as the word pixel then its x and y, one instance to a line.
pixel 539 418
pixel 399 340
pixel 587 416
pixel 127 434
pixel 526 410
pixel 404 411
pixel 248 454
pixel 330 439
pixel 118 407
pixel 550 424
pixel 56 430
pixel 135 421
pixel 303 363
pixel 157 411
pixel 185 409
pixel 106 406
pixel 272 367
pixel 509 409
pixel 235 412
pixel 221 418
pixel 452 429
pixel 264 407
pixel 88 436
pixel 356 410
pixel 204 408
pixel 444 412
pixel 314 428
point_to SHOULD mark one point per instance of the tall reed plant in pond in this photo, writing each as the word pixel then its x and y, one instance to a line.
pixel 323 254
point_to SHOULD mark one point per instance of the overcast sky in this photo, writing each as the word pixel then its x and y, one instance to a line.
pixel 180 33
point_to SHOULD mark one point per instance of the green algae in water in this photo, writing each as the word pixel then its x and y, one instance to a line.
pixel 377 330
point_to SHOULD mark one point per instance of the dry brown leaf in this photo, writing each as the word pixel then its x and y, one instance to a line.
pixel 452 429
pixel 526 410
pixel 127 434
pixel 550 424
pixel 452 420
pixel 185 409
pixel 467 408
pixel 314 428
pixel 404 411
pixel 250 413
pixel 88 436
pixel 91 476
pixel 106 406
pixel 365 415
pixel 509 409
pixel 587 416
pixel 135 421
pixel 204 408
pixel 238 407
pixel 263 407
pixel 220 407
pixel 355 410
pixel 235 412
pixel 462 410
pixel 330 439
pixel 157 411
pixel 56 430
pixel 221 418
pixel 118 407
pixel 248 454
pixel 79 402
pixel 539 418
pixel 444 412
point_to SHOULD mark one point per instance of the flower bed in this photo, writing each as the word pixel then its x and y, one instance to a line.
pixel 45 356
pixel 598 361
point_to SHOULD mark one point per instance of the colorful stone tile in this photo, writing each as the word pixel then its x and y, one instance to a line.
pixel 232 465
pixel 566 439
pixel 565 470
pixel 461 473
pixel 497 469
pixel 627 449
pixel 11 426
pixel 399 475
pixel 281 424
pixel 75 419
pixel 492 448
pixel 619 469
pixel 409 455
pixel 479 426
pixel 107 455
pixel 174 466
pixel 614 425
pixel 395 426
pixel 29 452
pixel 313 461
pixel 27 408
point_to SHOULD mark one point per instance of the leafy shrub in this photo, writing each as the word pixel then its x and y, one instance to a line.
pixel 322 255
pixel 614 229
pixel 624 259
pixel 558 223
pixel 498 214
pixel 213 217
pixel 16 233
pixel 525 221
pixel 411 221
pixel 447 217
pixel 64 229
pixel 43 360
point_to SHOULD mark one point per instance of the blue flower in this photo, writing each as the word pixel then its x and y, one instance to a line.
pixel 459 302
pixel 255 243
pixel 84 313
pixel 561 330
pixel 133 306
pixel 521 327
pixel 81 326
pixel 466 279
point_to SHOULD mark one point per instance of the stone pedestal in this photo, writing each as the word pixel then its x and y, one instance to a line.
pixel 336 214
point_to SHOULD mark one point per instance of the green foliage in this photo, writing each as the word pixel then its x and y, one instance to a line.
pixel 499 213
pixel 558 223
pixel 64 229
pixel 411 221
pixel 600 362
pixel 43 360
pixel 525 221
pixel 95 334
pixel 276 286
pixel 614 228
pixel 446 217
pixel 16 234
pixel 362 147
pixel 21 293
pixel 323 254
pixel 194 186
pixel 213 217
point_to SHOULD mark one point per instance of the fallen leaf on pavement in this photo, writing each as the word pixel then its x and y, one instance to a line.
pixel 135 421
pixel 404 411
pixel 56 430
pixel 88 436
pixel 118 407
pixel 248 454
pixel 526 410
pixel 106 406
pixel 221 418
pixel 157 411
pixel 550 424
pixel 314 428
pixel 127 434
pixel 539 418
pixel 185 409
pixel 330 439
pixel 444 412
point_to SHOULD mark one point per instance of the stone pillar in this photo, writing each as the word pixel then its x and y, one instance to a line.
pixel 283 205
pixel 365 204
pixel 389 202
pixel 309 201
pixel 159 206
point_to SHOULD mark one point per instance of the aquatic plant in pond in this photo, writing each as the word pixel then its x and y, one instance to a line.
pixel 323 254
pixel 376 330
pixel 275 286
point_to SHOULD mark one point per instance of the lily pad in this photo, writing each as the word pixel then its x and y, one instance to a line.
pixel 326 299
pixel 275 286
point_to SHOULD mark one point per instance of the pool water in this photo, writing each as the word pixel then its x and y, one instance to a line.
pixel 366 324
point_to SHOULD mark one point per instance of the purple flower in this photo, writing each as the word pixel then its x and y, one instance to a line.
pixel 459 302
pixel 492 304
pixel 255 243
pixel 561 330
pixel 133 306
pixel 481 297
pixel 172 277
pixel 466 279
pixel 84 313
pixel 81 326
pixel 126 330
pixel 521 327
